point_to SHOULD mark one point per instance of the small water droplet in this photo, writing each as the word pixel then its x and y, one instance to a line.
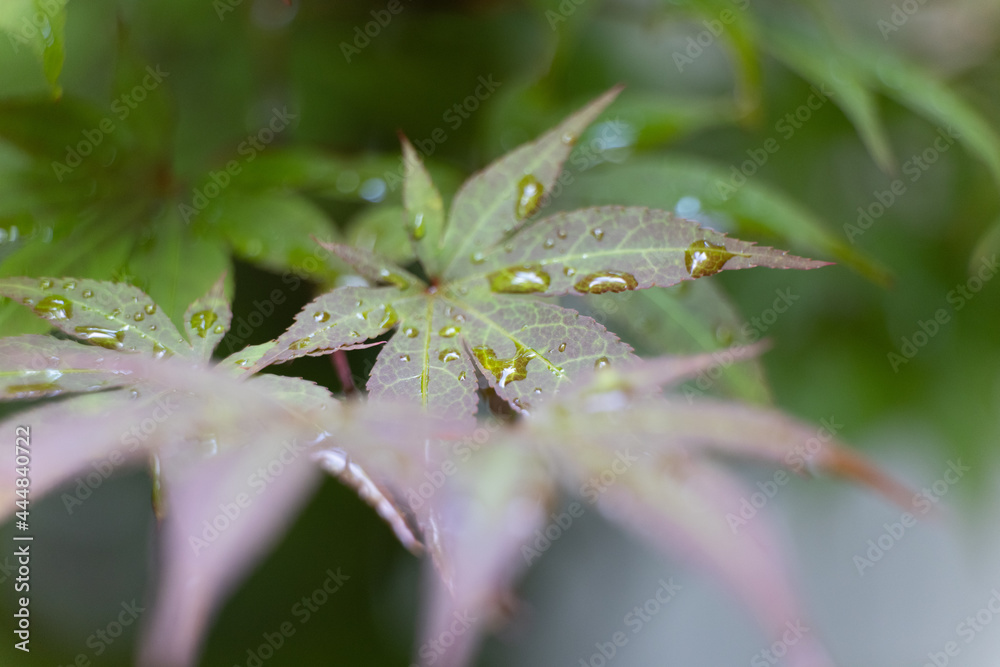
pixel 506 370
pixel 562 347
pixel 449 354
pixel 45 283
pixel 138 317
pixel 449 332
pixel 87 293
pixel 601 363
pixel 561 233
pixel 69 284
pixel 404 357
pixel 218 329
pixel 529 197
pixel 549 244
pixel 150 308
pixel 520 279
pixel 321 316
pixel 111 339
pixel 354 334
pixel 158 351
pixel 417 227
pixel 459 318
pixel 703 258
pixel 538 390
pixel 359 303
pixel 608 281
pixel 477 257
pixel 54 307
pixel 597 233
pixel 509 247
pixel 569 271
pixel 521 405
pixel 117 312
pixel 202 321
pixel 393 278
pixel 152 327
pixel 461 376
pixel 28 301
pixel 568 138
pixel 300 344
pixel 242 362
pixel 411 332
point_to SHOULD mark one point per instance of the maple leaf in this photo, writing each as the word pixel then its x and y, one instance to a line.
pixel 209 433
pixel 647 461
pixel 489 265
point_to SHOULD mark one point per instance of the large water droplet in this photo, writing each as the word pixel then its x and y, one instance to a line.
pixel 449 332
pixel 520 279
pixel 321 316
pixel 158 351
pixel 202 321
pixel 505 370
pixel 449 354
pixel 150 308
pixel 54 307
pixel 562 347
pixel 705 259
pixel 607 281
pixel 111 339
pixel 529 197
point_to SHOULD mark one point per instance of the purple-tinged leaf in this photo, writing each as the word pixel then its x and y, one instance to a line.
pixel 426 363
pixel 207 319
pixel 242 362
pixel 487 513
pixel 34 366
pixel 424 210
pixel 529 350
pixel 373 268
pixel 501 198
pixel 616 249
pixel 115 316
pixel 340 318
pixel 680 505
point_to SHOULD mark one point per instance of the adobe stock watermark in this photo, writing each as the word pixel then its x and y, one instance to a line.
pixel 915 167
pixel 786 127
pixel 899 16
pixel 433 649
pixel 635 620
pixel 102 638
pixel 454 116
pixel 121 107
pixel 798 459
pixel 910 346
pixel 922 503
pixel 363 37
pixel 39 24
pixel 591 490
pixel 966 631
pixel 713 30
pixel 248 149
pixel 562 13
pixel 772 655
pixel 303 610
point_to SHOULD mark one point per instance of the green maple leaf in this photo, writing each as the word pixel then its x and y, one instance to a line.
pixel 490 265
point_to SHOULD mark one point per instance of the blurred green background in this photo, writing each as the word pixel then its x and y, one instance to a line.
pixel 713 89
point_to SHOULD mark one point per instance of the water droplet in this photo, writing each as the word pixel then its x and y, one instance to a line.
pixel 461 376
pixel 608 281
pixel 417 227
pixel 300 344
pixel 354 334
pixel 520 279
pixel 393 278
pixel 561 233
pixel 568 138
pixel 460 318
pixel 158 351
pixel 562 347
pixel 28 301
pixel 45 283
pixel 138 317
pixel 202 321
pixel 111 339
pixel 705 259
pixel 538 390
pixel 597 233
pixel 449 354
pixel 508 247
pixel 321 316
pixel 477 257
pixel 150 308
pixel 69 284
pixel 569 271
pixel 87 293
pixel 529 197
pixel 601 363
pixel 242 362
pixel 35 388
pixel 448 332
pixel 549 243
pixel 152 327
pixel 54 307
pixel 404 357
pixel 521 405
pixel 506 370
pixel 411 332
pixel 117 312
pixel 218 329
